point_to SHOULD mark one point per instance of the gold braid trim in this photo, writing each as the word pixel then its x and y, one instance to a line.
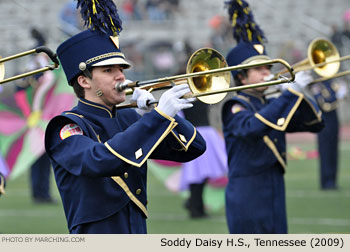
pixel 273 148
pixel 126 189
pixel 118 54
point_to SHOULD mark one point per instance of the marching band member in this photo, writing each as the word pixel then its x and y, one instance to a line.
pixel 326 96
pixel 2 184
pixel 255 129
pixel 99 153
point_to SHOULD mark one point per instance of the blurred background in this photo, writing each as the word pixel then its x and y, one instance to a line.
pixel 160 35
pixel 158 38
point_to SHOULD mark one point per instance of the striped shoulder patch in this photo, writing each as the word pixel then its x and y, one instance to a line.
pixel 70 130
pixel 236 108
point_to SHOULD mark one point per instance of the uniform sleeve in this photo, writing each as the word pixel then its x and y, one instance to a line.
pixel 84 156
pixel 183 144
pixel 79 154
pixel 240 121
pixel 325 95
pixel 291 110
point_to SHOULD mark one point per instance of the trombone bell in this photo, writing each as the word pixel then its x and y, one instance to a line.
pixel 203 60
pixel 202 83
pixel 322 51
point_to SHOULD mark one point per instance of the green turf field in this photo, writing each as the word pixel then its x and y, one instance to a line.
pixel 309 209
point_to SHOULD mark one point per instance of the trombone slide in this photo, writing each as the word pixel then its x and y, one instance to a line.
pixel 209 86
pixel 40 49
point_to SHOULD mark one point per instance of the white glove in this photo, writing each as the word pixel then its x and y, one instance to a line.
pixel 171 102
pixel 302 79
pixel 142 97
pixel 341 90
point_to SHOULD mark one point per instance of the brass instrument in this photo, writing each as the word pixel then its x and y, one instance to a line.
pixel 337 75
pixel 341 74
pixel 41 49
pixel 208 77
pixel 322 57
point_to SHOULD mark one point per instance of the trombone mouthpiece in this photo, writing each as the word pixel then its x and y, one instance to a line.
pixel 269 78
pixel 122 86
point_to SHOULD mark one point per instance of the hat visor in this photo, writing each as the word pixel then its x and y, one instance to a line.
pixel 256 59
pixel 113 61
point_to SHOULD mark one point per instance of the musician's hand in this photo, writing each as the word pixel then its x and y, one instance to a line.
pixel 142 97
pixel 171 102
pixel 302 79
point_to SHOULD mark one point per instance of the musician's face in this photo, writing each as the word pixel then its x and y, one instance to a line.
pixel 257 75
pixel 104 79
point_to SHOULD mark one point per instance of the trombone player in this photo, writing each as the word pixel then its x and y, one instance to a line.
pixel 255 128
pixel 326 95
pixel 2 184
pixel 98 152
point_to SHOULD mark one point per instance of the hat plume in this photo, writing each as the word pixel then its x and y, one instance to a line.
pixel 100 15
pixel 244 26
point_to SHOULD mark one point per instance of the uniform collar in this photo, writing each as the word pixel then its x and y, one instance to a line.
pixel 95 108
pixel 253 96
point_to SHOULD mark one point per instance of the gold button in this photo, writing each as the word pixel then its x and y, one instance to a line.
pixel 275 140
pixel 138 191
pixel 126 175
pixel 327 107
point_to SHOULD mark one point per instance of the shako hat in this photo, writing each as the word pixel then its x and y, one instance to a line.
pixel 96 46
pixel 248 35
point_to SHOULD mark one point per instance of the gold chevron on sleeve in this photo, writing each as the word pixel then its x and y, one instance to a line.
pixel 182 143
pixel 287 119
pixel 145 157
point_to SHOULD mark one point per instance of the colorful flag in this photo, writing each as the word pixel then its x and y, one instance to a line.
pixel 24 117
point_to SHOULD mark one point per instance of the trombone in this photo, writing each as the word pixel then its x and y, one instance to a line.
pixel 341 74
pixel 40 49
pixel 208 76
pixel 323 57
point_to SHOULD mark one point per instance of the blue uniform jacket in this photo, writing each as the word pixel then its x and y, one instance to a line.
pixel 101 171
pixel 254 130
pixel 328 139
pixel 261 127
pixel 325 95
